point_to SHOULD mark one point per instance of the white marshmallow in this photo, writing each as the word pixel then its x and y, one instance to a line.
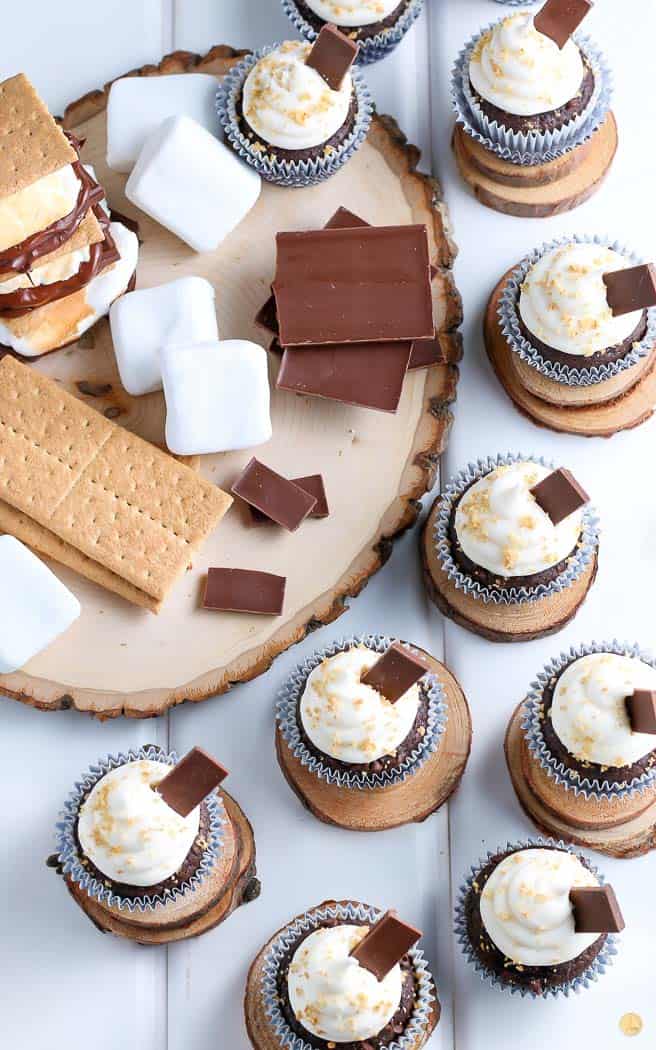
pixel 142 322
pixel 217 397
pixel 192 184
pixel 37 607
pixel 138 105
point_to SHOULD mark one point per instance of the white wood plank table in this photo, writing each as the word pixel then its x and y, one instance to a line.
pixel 66 986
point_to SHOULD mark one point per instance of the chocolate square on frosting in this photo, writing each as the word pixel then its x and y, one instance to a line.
pixel 385 944
pixel 596 910
pixel 559 18
pixel 631 289
pixel 641 709
pixel 332 55
pixel 190 781
pixel 559 495
pixel 397 671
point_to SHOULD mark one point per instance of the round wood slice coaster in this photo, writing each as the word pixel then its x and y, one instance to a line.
pixel 233 882
pixel 121 660
pixel 595 825
pixel 541 190
pixel 412 801
pixel 258 1025
pixel 500 623
pixel 621 409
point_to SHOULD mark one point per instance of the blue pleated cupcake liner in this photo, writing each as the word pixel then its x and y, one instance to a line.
pixel 295 173
pixel 570 375
pixel 287 718
pixel 373 48
pixel 566 778
pixel 533 147
pixel 456 487
pixel 70 855
pixel 599 964
pixel 346 912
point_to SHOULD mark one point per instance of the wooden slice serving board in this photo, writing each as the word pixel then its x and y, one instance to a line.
pixel 121 660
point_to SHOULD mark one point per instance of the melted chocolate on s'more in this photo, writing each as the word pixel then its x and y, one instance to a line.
pixel 101 255
pixel 21 258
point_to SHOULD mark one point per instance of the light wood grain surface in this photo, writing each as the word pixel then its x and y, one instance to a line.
pixel 66 986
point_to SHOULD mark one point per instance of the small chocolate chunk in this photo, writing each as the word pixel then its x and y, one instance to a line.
pixel 559 18
pixel 396 671
pixel 641 709
pixel 244 590
pixel 332 55
pixel 631 289
pixel 273 495
pixel 367 376
pixel 314 486
pixel 596 910
pixel 385 944
pixel 559 495
pixel 426 352
pixel 192 780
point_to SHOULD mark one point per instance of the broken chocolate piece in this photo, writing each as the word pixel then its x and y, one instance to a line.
pixel 193 779
pixel 559 18
pixel 385 944
pixel 641 709
pixel 559 495
pixel 313 485
pixel 244 590
pixel 596 910
pixel 353 285
pixel 272 494
pixel 631 289
pixel 366 376
pixel 426 352
pixel 332 55
pixel 397 671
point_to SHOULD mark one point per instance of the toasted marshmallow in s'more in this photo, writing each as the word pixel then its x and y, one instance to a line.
pixel 62 322
pixel 62 263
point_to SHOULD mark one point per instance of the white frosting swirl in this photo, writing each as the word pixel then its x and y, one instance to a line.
pixel 288 104
pixel 334 997
pixel 129 832
pixel 501 528
pixel 526 910
pixel 350 721
pixel 352 12
pixel 588 711
pixel 522 71
pixel 563 300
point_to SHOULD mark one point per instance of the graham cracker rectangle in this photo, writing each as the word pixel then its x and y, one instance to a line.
pixel 114 498
pixel 31 142
pixel 88 232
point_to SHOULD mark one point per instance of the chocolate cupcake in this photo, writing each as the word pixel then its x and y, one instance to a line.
pixel 307 990
pixel 517 924
pixel 143 861
pixel 579 761
pixel 282 117
pixel 359 759
pixel 525 97
pixel 502 562
pixel 568 346
pixel 534 131
pixel 377 25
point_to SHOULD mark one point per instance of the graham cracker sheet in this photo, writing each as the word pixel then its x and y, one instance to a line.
pixel 113 498
pixel 31 142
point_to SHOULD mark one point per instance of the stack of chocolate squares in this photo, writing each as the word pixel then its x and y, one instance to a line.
pixel 62 261
pixel 352 310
